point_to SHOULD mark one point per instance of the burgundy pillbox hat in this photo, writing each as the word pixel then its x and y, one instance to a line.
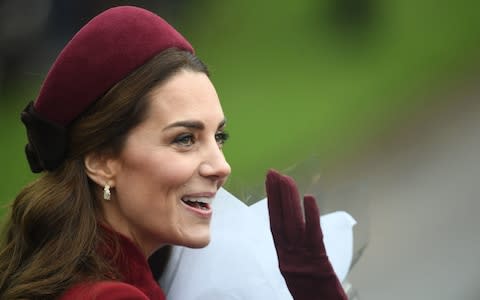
pixel 107 49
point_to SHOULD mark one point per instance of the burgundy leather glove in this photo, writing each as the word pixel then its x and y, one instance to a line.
pixel 299 242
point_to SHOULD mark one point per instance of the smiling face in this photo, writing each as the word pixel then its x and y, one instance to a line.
pixel 170 167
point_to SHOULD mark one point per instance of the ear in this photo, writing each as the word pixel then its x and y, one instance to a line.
pixel 101 168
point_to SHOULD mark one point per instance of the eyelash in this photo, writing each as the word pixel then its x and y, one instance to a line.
pixel 188 139
pixel 222 137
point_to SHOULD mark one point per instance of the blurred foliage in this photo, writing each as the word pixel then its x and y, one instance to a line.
pixel 296 81
pixel 304 78
pixel 15 171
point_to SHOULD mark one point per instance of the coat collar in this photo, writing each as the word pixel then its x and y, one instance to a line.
pixel 130 262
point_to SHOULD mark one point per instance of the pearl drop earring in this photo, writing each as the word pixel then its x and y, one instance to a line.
pixel 106 192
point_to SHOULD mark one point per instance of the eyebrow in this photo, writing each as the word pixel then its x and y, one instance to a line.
pixel 192 124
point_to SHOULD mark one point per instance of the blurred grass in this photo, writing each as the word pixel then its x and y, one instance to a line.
pixel 294 86
pixel 15 171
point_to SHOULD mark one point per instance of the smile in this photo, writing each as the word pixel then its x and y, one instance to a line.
pixel 200 205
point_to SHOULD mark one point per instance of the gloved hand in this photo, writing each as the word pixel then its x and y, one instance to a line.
pixel 301 253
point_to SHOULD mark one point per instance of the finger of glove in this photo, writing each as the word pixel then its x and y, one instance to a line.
pixel 274 202
pixel 314 235
pixel 291 210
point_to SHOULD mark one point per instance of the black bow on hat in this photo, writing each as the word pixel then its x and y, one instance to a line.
pixel 47 141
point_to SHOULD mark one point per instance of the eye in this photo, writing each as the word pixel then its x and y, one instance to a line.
pixel 221 137
pixel 186 139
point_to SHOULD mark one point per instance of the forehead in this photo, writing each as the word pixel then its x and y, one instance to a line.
pixel 187 94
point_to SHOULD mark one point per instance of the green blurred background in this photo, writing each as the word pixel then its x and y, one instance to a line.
pixel 297 79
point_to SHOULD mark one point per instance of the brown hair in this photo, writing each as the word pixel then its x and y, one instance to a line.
pixel 50 239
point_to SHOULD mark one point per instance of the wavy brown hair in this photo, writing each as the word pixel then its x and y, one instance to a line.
pixel 50 239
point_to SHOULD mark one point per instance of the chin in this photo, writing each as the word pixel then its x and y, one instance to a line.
pixel 198 243
pixel 196 239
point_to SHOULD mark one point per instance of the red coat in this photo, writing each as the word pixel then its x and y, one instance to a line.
pixel 138 282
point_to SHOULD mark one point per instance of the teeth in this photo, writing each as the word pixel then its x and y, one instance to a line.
pixel 198 199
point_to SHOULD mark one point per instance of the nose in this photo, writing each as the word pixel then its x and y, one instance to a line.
pixel 215 166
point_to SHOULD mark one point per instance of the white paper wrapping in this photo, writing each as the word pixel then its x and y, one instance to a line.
pixel 240 262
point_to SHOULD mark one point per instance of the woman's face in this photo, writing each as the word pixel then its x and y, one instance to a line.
pixel 171 167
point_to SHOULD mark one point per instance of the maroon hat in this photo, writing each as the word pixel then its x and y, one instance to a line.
pixel 107 49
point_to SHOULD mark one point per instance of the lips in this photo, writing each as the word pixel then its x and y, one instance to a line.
pixel 202 203
pixel 199 204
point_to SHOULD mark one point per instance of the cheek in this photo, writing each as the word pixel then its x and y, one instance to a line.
pixel 175 168
pixel 156 170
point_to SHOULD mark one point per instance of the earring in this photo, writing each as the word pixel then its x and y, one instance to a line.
pixel 106 192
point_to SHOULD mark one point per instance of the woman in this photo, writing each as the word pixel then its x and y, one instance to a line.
pixel 128 132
